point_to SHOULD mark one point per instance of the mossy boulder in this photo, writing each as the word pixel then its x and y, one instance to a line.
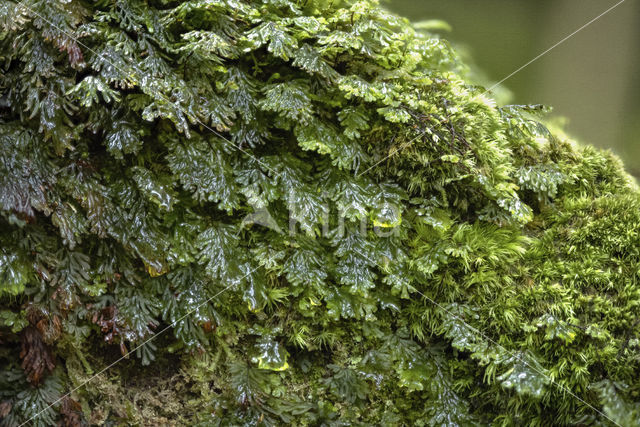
pixel 257 212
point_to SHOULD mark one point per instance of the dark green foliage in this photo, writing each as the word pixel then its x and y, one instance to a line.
pixel 314 213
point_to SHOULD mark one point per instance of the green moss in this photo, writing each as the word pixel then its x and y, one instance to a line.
pixel 315 211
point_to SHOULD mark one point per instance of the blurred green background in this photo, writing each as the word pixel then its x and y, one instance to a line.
pixel 592 79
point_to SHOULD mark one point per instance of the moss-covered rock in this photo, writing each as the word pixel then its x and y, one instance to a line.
pixel 264 212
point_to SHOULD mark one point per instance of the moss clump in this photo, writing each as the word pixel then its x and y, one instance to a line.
pixel 317 214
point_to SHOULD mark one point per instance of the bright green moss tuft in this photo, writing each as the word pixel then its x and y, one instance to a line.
pixel 312 211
